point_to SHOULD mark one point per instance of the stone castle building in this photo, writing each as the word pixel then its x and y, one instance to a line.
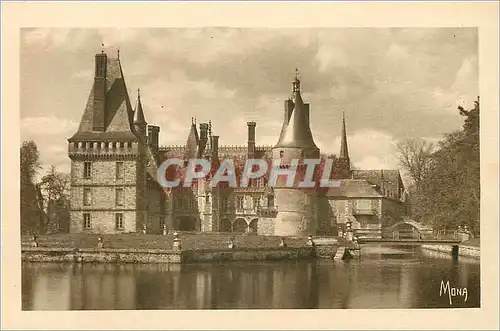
pixel 115 155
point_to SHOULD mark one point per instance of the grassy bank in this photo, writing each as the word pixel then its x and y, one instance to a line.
pixel 190 241
pixel 474 242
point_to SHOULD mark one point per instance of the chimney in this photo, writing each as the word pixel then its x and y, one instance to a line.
pixel 99 102
pixel 154 137
pixel 251 139
pixel 203 137
pixel 215 147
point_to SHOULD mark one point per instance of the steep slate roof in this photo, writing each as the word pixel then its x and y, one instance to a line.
pixel 390 178
pixel 139 113
pixel 192 142
pixel 354 188
pixel 119 111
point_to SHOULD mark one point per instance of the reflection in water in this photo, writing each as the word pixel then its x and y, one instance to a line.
pixel 404 278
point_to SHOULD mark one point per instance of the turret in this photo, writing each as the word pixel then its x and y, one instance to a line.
pixel 296 132
pixel 294 205
pixel 140 123
pixel 192 142
pixel 344 162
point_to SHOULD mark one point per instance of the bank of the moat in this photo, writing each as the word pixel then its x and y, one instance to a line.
pixel 192 247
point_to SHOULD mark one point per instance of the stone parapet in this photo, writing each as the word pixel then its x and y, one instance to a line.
pixel 115 255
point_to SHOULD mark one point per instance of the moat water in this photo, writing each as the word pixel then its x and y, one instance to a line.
pixel 384 277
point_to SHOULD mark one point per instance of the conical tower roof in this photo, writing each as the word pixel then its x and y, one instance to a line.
pixel 296 132
pixel 192 142
pixel 344 152
pixel 139 113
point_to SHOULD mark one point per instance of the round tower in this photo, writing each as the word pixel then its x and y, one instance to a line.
pixel 295 206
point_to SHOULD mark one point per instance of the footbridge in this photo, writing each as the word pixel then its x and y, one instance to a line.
pixel 410 241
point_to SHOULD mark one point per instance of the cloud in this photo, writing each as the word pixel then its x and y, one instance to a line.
pixel 397 52
pixel 463 91
pixel 368 149
pixel 329 56
pixel 116 37
pixel 61 39
pixel 85 74
pixel 393 83
pixel 47 125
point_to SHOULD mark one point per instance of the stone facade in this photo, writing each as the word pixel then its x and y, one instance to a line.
pixel 113 137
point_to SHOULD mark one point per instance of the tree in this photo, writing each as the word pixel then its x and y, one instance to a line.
pixel 414 157
pixel 54 189
pixel 446 190
pixel 30 211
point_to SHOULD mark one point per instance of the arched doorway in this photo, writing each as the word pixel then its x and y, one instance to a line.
pixel 253 225
pixel 225 225
pixel 240 225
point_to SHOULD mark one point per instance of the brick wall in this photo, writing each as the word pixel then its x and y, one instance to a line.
pixel 102 222
pixel 103 184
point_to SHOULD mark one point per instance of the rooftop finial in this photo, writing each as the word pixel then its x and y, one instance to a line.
pixel 118 53
pixel 102 48
pixel 296 81
pixel 138 93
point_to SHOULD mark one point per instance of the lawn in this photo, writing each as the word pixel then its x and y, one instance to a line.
pixel 145 241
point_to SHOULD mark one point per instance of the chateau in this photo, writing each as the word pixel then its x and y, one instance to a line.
pixel 115 156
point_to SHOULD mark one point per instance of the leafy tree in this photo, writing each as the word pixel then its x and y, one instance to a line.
pixel 446 191
pixel 54 188
pixel 31 214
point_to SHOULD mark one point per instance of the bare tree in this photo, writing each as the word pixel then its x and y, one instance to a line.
pixel 415 157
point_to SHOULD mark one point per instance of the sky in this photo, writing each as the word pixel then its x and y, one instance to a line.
pixel 392 83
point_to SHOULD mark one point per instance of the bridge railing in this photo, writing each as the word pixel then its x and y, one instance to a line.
pixel 446 234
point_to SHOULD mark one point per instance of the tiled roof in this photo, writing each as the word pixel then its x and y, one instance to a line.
pixel 376 175
pixel 391 179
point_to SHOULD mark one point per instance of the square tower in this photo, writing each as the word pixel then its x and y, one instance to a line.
pixel 108 158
